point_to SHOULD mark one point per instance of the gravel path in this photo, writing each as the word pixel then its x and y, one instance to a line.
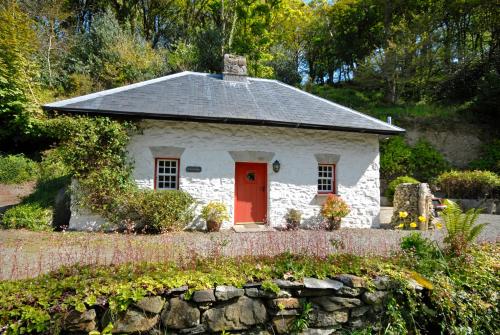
pixel 26 254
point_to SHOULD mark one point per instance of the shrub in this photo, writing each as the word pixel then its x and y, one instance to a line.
pixel 334 209
pixel 153 211
pixel 293 217
pixel 395 158
pixel 461 227
pixel 16 169
pixel 490 158
pixel 391 188
pixel 214 213
pixel 469 184
pixel 29 216
pixel 426 161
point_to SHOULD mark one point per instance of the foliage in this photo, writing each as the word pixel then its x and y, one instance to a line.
pixel 215 211
pixel 461 228
pixel 292 218
pixel 469 184
pixel 301 322
pixel 15 169
pixel 395 158
pixel 489 159
pixel 463 295
pixel 425 252
pixel 426 161
pixel 152 211
pixel 29 216
pixel 334 209
pixel 391 188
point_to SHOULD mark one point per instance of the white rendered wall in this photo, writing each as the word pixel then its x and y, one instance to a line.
pixel 294 186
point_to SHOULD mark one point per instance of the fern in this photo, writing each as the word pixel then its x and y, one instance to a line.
pixel 462 229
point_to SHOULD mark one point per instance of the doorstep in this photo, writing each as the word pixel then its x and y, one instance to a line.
pixel 251 228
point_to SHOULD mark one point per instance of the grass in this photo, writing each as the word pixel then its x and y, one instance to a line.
pixel 371 103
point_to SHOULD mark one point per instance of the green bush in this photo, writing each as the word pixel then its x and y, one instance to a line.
pixel 490 158
pixel 469 184
pixel 28 216
pixel 153 211
pixel 16 169
pixel 426 161
pixel 395 158
pixel 391 188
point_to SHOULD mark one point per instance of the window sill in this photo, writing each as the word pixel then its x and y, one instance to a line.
pixel 324 194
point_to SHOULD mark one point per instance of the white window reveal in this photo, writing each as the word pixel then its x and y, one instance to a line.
pixel 326 178
pixel 167 174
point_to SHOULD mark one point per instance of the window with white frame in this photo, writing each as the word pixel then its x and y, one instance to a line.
pixel 167 174
pixel 326 178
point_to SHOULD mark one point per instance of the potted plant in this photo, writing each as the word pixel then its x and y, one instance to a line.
pixel 292 218
pixel 334 209
pixel 214 213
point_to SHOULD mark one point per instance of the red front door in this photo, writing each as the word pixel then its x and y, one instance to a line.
pixel 250 192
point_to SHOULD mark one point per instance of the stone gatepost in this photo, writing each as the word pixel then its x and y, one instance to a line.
pixel 416 200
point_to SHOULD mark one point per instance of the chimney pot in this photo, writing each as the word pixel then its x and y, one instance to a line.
pixel 235 68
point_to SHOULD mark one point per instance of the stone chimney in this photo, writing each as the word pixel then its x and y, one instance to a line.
pixel 235 68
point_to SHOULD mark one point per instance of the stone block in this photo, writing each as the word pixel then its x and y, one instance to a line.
pixel 285 303
pixel 359 311
pixel 332 303
pixel 238 315
pixel 282 324
pixel 348 291
pixel 224 293
pixel 322 284
pixel 132 321
pixel 204 296
pixel 180 314
pixel 80 322
pixel 151 304
pixel 351 280
pixel 374 298
pixel 287 284
pixel 320 318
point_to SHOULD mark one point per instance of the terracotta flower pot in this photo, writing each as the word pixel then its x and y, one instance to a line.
pixel 213 226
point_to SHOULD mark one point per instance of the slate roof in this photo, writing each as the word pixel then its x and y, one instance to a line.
pixel 202 97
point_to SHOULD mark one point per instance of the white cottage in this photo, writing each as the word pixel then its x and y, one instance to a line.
pixel 258 145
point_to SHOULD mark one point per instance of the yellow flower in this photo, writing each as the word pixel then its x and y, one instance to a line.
pixel 439 225
pixel 403 214
pixel 401 225
pixel 422 218
pixel 413 225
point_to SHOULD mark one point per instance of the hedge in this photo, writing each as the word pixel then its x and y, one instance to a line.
pixel 469 184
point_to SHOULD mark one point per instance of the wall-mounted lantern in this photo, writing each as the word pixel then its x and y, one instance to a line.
pixel 276 166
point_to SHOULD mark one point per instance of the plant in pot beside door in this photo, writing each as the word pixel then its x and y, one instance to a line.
pixel 214 213
pixel 334 209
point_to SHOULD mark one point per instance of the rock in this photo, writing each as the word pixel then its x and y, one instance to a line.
pixel 239 315
pixel 350 292
pixel 200 329
pixel 351 280
pixel 284 312
pixel 322 284
pixel 282 324
pixel 254 292
pixel 204 296
pixel 224 293
pixel 358 324
pixel 374 298
pixel 287 284
pixel 180 314
pixel 382 283
pixel 177 290
pixel 332 303
pixel 314 292
pixel 251 285
pixel 359 311
pixel 133 321
pixel 80 322
pixel 285 303
pixel 321 318
pixel 151 304
pixel 317 331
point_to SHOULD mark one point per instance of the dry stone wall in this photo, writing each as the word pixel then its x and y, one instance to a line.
pixel 345 302
pixel 416 200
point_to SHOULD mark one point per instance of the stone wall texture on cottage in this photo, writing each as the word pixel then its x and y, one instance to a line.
pixel 215 147
pixel 344 303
